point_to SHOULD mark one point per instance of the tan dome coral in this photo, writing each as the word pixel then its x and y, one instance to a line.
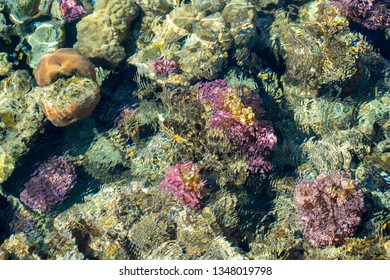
pixel 62 62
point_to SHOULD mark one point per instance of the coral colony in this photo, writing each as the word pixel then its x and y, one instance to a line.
pixel 372 14
pixel 50 184
pixel 246 129
pixel 164 67
pixel 329 208
pixel 185 182
pixel 72 10
pixel 240 120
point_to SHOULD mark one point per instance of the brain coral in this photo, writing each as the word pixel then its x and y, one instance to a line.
pixel 62 62
pixel 329 208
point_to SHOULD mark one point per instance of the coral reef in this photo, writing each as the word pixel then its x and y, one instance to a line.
pixel 49 185
pixel 311 46
pixel 62 62
pixel 329 208
pixel 240 120
pixel 185 182
pixel 212 86
pixel 67 101
pixel 206 38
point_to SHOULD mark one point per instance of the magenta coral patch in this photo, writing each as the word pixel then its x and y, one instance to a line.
pixel 372 14
pixel 185 183
pixel 163 67
pixel 72 10
pixel 49 184
pixel 254 136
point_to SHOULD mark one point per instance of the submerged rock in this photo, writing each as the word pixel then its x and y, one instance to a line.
pixel 68 100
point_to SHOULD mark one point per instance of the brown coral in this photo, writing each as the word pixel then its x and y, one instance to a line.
pixel 62 62
pixel 329 208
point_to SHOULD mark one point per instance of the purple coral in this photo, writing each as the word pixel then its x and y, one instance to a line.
pixel 164 67
pixel 329 208
pixel 72 10
pixel 372 14
pixel 242 124
pixel 49 184
pixel 185 182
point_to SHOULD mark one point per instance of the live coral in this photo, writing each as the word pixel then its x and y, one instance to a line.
pixel 238 115
pixel 372 14
pixel 49 184
pixel 63 62
pixel 72 10
pixel 185 182
pixel 164 67
pixel 329 208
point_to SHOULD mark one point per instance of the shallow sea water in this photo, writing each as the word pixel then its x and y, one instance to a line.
pixel 174 163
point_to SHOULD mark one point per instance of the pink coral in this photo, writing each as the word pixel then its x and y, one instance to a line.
pixel 72 10
pixel 329 208
pixel 185 182
pixel 372 14
pixel 49 184
pixel 239 115
pixel 164 67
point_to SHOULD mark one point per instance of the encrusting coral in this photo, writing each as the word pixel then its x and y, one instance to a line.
pixel 62 62
pixel 329 208
pixel 71 10
pixel 49 184
pixel 372 14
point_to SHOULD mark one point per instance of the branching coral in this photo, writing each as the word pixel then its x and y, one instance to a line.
pixel 372 14
pixel 329 208
pixel 49 184
pixel 185 182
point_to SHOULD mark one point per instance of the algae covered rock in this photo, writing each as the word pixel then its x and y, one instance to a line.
pixel 67 101
pixel 103 158
pixel 5 65
pixel 47 36
pixel 20 120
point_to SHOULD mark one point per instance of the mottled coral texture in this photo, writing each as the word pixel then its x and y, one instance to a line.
pixel 164 67
pixel 372 14
pixel 49 184
pixel 329 208
pixel 238 114
pixel 185 183
pixel 72 10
